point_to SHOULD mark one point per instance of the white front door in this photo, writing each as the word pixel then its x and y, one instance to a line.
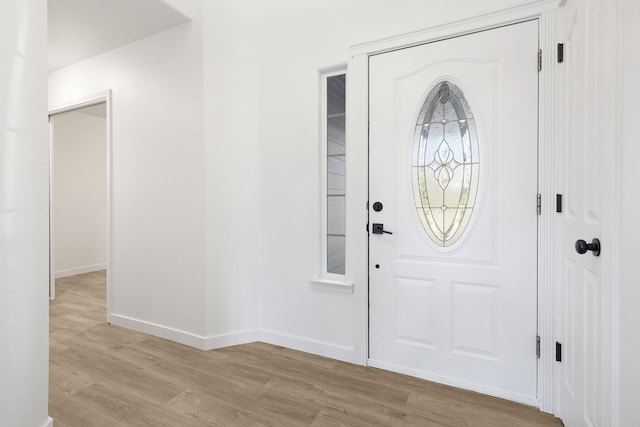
pixel 453 165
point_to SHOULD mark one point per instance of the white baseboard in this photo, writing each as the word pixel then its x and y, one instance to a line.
pixel 48 423
pixel 233 338
pixel 503 394
pixel 80 270
pixel 334 351
pixel 182 337
pixel 321 348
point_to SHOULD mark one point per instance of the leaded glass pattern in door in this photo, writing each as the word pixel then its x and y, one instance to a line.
pixel 445 164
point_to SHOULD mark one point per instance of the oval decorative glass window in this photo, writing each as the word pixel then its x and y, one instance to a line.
pixel 445 164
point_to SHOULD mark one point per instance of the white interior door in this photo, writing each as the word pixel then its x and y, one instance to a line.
pixel 453 164
pixel 583 295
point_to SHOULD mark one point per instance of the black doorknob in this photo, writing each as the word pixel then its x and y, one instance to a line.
pixel 582 247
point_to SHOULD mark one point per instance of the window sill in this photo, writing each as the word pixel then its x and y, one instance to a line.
pixel 338 286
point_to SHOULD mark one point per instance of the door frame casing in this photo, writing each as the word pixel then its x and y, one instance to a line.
pixel 86 101
pixel 358 172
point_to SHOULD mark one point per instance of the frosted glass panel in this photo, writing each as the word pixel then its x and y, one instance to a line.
pixel 336 134
pixel 445 164
pixel 336 254
pixel 335 216
pixel 336 173
pixel 336 94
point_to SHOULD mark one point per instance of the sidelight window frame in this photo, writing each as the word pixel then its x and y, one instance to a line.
pixel 328 177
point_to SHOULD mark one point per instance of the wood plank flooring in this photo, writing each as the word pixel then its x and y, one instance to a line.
pixel 102 375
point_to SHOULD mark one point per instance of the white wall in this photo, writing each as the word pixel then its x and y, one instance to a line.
pixel 220 134
pixel 24 160
pixel 185 170
pixel 629 279
pixel 158 212
pixel 296 41
pixel 189 8
pixel 79 192
pixel 232 165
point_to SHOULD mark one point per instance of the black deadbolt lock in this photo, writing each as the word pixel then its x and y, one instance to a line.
pixel 377 206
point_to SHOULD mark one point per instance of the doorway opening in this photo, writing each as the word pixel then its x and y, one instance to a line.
pixel 80 202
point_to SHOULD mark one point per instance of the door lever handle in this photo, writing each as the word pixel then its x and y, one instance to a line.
pixel 582 247
pixel 379 229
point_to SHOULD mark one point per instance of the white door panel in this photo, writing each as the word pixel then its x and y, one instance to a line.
pixel 463 314
pixel 583 295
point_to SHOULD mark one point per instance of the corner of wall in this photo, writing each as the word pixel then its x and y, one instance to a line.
pixel 187 8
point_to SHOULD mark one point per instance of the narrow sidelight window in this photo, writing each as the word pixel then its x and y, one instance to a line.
pixel 334 124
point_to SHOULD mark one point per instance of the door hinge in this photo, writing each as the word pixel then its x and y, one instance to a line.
pixel 538 346
pixel 539 204
pixel 558 352
pixel 560 53
pixel 539 59
pixel 559 203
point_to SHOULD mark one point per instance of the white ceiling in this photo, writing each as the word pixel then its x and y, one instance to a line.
pixel 80 29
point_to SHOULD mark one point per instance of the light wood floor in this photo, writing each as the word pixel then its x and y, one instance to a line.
pixel 102 375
